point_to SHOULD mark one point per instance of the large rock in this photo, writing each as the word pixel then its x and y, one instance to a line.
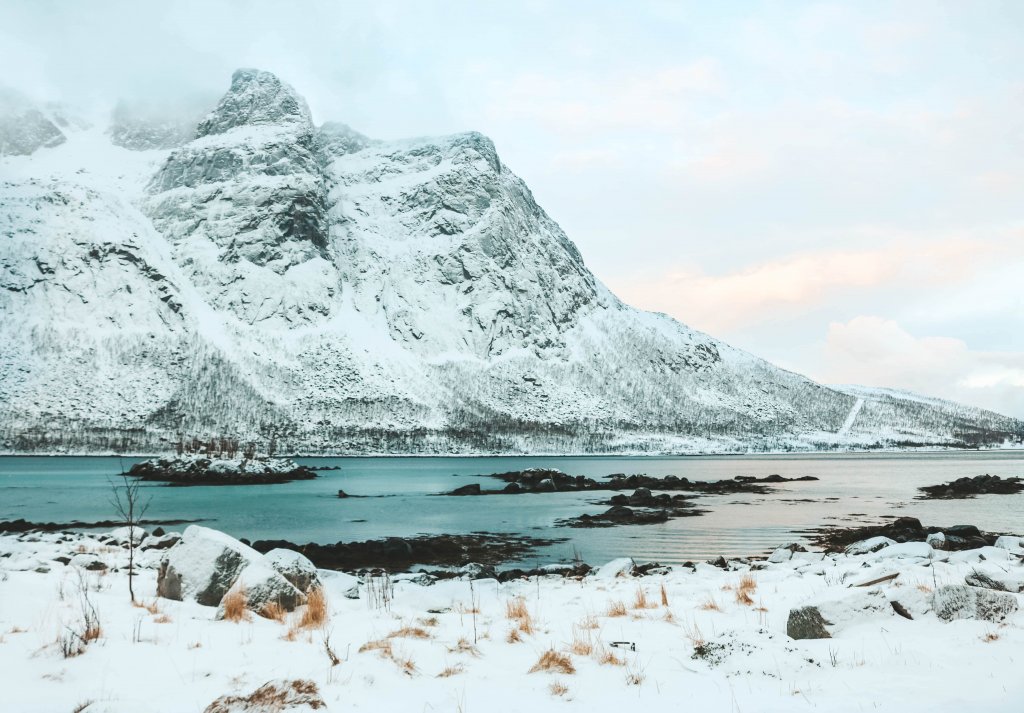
pixel 262 586
pixel 822 620
pixel 124 535
pixel 295 567
pixel 785 552
pixel 620 567
pixel 273 697
pixel 960 601
pixel 203 566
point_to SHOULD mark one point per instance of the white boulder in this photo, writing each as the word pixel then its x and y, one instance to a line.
pixel 295 567
pixel 872 544
pixel 620 567
pixel 960 601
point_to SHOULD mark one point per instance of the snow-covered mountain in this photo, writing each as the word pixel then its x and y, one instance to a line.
pixel 270 275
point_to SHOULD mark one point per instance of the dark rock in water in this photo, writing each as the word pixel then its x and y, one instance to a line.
pixel 342 493
pixel 964 531
pixel 968 487
pixel 399 554
pixel 20 525
pixel 806 623
pixel 471 489
pixel 902 529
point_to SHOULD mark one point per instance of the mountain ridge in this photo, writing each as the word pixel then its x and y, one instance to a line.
pixel 354 295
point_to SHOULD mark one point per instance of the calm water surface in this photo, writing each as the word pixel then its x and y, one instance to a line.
pixel 400 500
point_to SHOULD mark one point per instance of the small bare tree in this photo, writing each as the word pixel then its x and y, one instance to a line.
pixel 131 507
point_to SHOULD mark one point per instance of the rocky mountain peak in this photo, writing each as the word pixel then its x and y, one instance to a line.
pixel 255 97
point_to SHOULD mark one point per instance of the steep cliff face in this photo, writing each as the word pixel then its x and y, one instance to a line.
pixel 356 295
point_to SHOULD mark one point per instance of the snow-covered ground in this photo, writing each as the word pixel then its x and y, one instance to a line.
pixel 705 640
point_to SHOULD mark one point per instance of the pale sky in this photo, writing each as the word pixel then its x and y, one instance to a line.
pixel 837 187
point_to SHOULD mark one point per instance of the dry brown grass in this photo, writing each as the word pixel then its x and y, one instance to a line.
pixel 640 600
pixel 513 636
pixel 608 658
pixel 664 595
pixel 274 611
pixel 553 661
pixel 381 646
pixel 405 664
pixel 743 597
pixel 557 688
pixel 315 613
pixel 581 645
pixel 162 619
pixel 234 605
pixel 429 621
pixel 195 645
pixel 152 607
pixel 589 622
pixel 91 633
pixel 409 632
pixel 668 617
pixel 450 671
pixel 616 608
pixel 989 637
pixel 515 610
pixel 462 646
pixel 710 604
pixel 924 588
pixel 634 675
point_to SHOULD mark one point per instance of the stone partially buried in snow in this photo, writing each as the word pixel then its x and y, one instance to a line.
pixel 273 697
pixel 123 535
pixel 203 566
pixel 620 567
pixel 295 567
pixel 960 601
pixel 823 620
pixel 872 544
pixel 88 562
pixel 785 552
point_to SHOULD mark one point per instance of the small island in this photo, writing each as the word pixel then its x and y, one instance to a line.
pixel 204 470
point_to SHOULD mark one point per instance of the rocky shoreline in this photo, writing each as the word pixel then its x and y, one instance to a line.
pixel 967 487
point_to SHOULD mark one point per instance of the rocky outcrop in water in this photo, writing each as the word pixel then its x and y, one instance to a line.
pixel 203 470
pixel 968 487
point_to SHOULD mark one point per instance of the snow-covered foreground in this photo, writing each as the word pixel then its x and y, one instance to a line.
pixel 708 639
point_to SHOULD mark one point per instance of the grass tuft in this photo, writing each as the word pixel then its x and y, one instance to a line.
pixel 616 608
pixel 409 632
pixel 553 661
pixel 557 688
pixel 234 605
pixel 315 613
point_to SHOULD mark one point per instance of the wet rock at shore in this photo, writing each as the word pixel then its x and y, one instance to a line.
pixel 901 530
pixel 968 487
pixel 396 554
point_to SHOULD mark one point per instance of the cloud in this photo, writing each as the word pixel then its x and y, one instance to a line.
pixel 874 351
pixel 804 282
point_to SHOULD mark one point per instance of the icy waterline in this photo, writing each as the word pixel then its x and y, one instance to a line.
pixel 718 639
pixel 399 500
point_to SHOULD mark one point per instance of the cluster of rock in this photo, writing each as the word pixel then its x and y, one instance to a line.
pixel 640 508
pixel 207 565
pixel 550 480
pixel 396 554
pixel 904 529
pixel 968 487
pixel 206 470
pixel 987 593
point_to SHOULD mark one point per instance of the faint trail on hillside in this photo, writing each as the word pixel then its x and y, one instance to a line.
pixel 850 418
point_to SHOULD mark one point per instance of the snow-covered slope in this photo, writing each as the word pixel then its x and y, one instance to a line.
pixel 354 295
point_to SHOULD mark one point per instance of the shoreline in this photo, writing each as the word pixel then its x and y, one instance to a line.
pixel 1019 449
pixel 720 638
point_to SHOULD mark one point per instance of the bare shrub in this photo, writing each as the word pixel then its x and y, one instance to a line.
pixel 664 595
pixel 581 645
pixel 513 636
pixel 462 646
pixel 589 622
pixel 450 671
pixel 273 696
pixel 380 590
pixel 557 688
pixel 606 657
pixel 640 600
pixel 516 610
pixel 553 661
pixel 326 641
pixel 634 674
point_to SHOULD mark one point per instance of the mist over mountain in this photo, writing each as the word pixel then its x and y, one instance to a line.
pixel 247 272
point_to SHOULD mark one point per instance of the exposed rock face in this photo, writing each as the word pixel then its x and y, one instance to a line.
pixel 360 295
pixel 24 129
pixel 823 620
pixel 206 564
pixel 958 601
pixel 294 567
pixel 145 129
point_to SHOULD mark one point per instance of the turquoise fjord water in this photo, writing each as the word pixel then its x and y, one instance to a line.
pixel 400 499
